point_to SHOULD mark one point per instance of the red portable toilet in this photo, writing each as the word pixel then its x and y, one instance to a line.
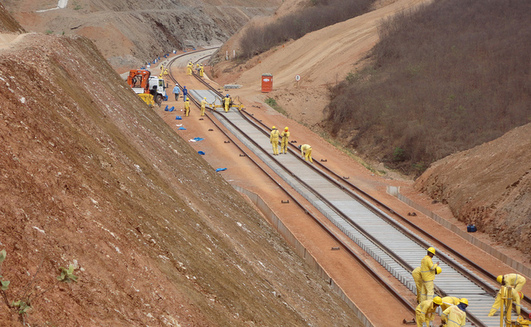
pixel 267 82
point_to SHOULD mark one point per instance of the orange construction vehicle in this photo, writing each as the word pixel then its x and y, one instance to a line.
pixel 143 83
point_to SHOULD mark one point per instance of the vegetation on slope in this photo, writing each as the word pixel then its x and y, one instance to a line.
pixel 321 13
pixel 446 77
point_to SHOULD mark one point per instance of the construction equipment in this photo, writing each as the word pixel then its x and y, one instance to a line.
pixel 506 310
pixel 143 84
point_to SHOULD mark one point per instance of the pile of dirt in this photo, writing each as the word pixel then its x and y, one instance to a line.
pixel 8 23
pixel 91 178
pixel 488 186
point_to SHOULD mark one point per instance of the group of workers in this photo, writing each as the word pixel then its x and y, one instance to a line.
pixel 454 309
pixel 199 67
pixel 283 137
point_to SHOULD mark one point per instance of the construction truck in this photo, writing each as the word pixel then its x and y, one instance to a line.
pixel 150 88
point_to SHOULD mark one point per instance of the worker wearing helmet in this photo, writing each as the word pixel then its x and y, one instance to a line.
pixel 201 70
pixel 284 141
pixel 427 271
pixel 306 152
pixel 203 106
pixel 455 315
pixel 417 277
pixel 185 93
pixel 504 293
pixel 228 101
pixel 424 313
pixel 513 280
pixel 273 138
pixel 448 301
pixel 187 107
pixel 189 68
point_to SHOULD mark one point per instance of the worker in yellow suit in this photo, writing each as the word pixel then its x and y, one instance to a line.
pixel 187 108
pixel 203 106
pixel 455 315
pixel 273 138
pixel 504 292
pixel 306 152
pixel 513 280
pixel 424 313
pixel 189 68
pixel 201 71
pixel 284 141
pixel 227 102
pixel 417 277
pixel 448 301
pixel 427 271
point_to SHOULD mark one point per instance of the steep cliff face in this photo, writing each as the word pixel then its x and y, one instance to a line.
pixel 131 33
pixel 91 177
pixel 489 186
pixel 8 23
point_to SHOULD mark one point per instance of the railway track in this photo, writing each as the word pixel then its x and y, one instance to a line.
pixel 372 225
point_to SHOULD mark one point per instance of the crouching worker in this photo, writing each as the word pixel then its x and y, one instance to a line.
pixel 455 315
pixel 425 311
pixel 306 152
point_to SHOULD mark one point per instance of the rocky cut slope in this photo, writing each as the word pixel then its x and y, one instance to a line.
pixel 489 186
pixel 93 179
pixel 130 33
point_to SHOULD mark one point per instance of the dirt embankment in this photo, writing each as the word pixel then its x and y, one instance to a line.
pixel 489 186
pixel 91 177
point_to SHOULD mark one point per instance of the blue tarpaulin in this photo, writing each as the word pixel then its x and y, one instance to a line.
pixel 221 169
pixel 182 129
pixel 201 153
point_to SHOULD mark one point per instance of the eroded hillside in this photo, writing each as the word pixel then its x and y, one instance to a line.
pixel 131 33
pixel 91 177
pixel 489 186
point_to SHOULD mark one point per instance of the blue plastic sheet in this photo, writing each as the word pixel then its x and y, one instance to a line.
pixel 182 129
pixel 197 139
pixel 221 169
pixel 201 153
pixel 178 118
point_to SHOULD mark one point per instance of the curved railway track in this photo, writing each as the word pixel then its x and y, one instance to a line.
pixel 375 227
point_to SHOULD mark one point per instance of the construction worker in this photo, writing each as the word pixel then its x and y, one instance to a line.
pixel 448 301
pixel 185 93
pixel 176 91
pixel 203 106
pixel 417 277
pixel 513 280
pixel 201 71
pixel 507 293
pixel 424 313
pixel 306 152
pixel 455 315
pixel 227 101
pixel 273 138
pixel 189 68
pixel 187 107
pixel 284 141
pixel 427 271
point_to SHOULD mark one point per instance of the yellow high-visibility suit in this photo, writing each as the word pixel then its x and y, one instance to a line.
pixel 453 316
pixel 306 152
pixel 201 71
pixel 203 106
pixel 189 68
pixel 418 282
pixel 448 301
pixel 227 101
pixel 504 291
pixel 284 141
pixel 427 271
pixel 187 107
pixel 424 312
pixel 273 138
pixel 514 280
